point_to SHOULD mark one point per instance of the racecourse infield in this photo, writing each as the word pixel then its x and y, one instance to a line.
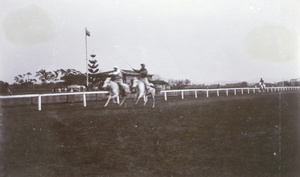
pixel 243 135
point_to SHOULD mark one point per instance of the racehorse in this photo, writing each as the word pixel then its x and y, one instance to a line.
pixel 114 91
pixel 142 92
pixel 262 87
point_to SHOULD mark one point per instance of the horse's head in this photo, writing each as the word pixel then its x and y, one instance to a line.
pixel 106 82
pixel 135 82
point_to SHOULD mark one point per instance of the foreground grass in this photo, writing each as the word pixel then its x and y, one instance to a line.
pixel 230 136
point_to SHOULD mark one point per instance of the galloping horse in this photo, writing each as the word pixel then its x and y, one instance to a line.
pixel 114 91
pixel 142 92
pixel 262 87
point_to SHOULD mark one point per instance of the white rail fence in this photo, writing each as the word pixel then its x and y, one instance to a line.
pixel 207 91
pixel 235 90
pixel 39 96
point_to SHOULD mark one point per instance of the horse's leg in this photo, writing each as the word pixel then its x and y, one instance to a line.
pixel 153 99
pixel 123 100
pixel 109 97
pixel 139 97
pixel 115 97
pixel 118 99
pixel 145 99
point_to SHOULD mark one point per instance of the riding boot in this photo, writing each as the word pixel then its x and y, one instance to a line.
pixel 122 90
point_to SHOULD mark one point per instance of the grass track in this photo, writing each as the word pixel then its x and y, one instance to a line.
pixel 218 136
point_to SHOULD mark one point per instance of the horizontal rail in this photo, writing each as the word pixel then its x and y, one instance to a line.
pixel 53 94
pixel 268 89
pixel 20 96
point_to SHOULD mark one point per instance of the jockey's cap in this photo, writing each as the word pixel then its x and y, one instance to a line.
pixel 142 64
pixel 116 67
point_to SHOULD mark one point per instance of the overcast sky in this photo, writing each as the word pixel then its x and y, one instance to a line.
pixel 206 41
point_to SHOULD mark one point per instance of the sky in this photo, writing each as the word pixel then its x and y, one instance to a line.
pixel 204 41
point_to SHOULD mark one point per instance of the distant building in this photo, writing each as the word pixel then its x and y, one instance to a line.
pixel 161 85
pixel 295 82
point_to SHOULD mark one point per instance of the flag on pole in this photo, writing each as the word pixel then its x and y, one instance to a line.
pixel 87 32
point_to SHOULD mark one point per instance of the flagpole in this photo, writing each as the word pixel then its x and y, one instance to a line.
pixel 86 59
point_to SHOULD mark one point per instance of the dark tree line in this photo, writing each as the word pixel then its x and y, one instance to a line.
pixel 178 84
pixel 68 76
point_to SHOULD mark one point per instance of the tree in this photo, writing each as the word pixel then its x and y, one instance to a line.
pixel 28 74
pixel 3 87
pixel 244 84
pixel 93 69
pixel 73 76
pixel 178 84
pixel 286 83
pixel 28 80
pixel 45 76
pixel 17 79
pixel 187 82
pixel 59 73
pixel 20 79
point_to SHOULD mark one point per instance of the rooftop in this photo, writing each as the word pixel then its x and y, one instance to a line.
pixel 124 71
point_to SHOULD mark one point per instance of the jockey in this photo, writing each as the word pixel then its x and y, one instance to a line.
pixel 118 77
pixel 262 84
pixel 143 71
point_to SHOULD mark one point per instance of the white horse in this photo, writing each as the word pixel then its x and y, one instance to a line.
pixel 142 92
pixel 262 87
pixel 114 91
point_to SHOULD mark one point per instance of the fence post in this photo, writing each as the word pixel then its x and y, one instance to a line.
pixel 218 93
pixel 248 91
pixel 165 93
pixel 40 103
pixel 227 92
pixel 195 93
pixel 182 95
pixel 84 100
pixel 234 91
pixel 207 93
pixel 242 91
pixel 254 90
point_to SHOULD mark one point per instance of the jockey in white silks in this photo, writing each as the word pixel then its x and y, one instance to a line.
pixel 143 71
pixel 118 77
